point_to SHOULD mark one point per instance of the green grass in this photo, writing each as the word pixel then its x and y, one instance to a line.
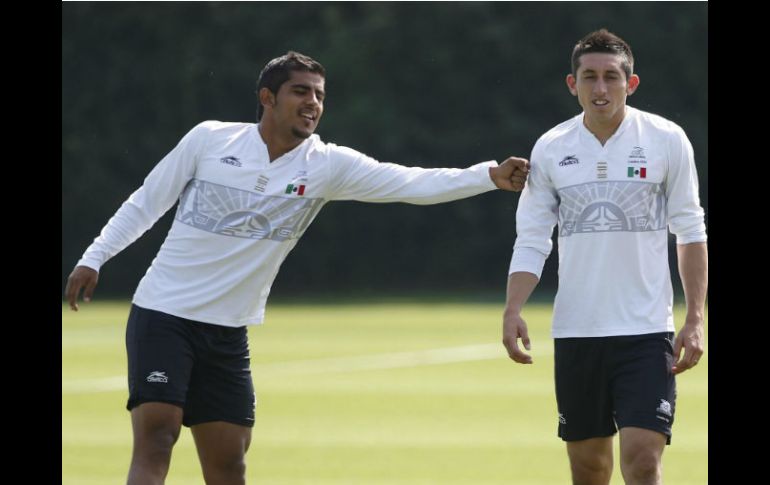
pixel 336 406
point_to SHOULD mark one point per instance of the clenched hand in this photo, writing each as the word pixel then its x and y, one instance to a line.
pixel 511 174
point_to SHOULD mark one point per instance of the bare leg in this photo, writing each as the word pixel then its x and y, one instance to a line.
pixel 156 428
pixel 590 461
pixel 222 451
pixel 641 451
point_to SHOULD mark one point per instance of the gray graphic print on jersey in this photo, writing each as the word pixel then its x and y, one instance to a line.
pixel 611 206
pixel 239 213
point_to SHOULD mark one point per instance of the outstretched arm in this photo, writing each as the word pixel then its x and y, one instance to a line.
pixel 511 174
pixel 354 176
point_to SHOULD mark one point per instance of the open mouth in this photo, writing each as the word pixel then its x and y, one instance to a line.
pixel 600 102
pixel 308 116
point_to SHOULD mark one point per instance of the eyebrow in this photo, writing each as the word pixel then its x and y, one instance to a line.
pixel 308 87
pixel 608 71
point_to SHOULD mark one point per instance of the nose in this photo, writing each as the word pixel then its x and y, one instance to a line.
pixel 600 87
pixel 313 99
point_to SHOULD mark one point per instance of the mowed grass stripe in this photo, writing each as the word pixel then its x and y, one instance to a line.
pixel 322 420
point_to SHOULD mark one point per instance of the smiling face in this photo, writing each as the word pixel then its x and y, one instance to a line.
pixel 297 107
pixel 601 87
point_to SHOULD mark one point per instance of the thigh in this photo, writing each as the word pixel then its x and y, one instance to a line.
pixel 643 385
pixel 156 423
pixel 220 443
pixel 637 442
pixel 582 393
pixel 221 388
pixel 591 453
pixel 160 357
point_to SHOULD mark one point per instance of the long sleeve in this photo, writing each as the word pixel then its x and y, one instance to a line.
pixel 158 193
pixel 685 215
pixel 536 216
pixel 355 176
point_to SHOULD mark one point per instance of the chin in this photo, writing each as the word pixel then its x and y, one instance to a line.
pixel 301 133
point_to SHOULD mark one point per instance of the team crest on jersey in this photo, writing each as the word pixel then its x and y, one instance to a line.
pixel 297 187
pixel 637 155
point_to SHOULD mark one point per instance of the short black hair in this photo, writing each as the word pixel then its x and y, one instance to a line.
pixel 278 71
pixel 604 41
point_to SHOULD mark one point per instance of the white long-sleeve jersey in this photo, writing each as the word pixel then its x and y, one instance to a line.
pixel 239 215
pixel 613 205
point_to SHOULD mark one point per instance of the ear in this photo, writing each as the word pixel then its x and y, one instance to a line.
pixel 572 84
pixel 266 97
pixel 633 83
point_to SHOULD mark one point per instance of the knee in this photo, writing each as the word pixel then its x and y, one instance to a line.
pixel 590 471
pixel 231 470
pixel 157 442
pixel 643 466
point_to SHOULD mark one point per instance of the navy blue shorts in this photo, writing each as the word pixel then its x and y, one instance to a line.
pixel 623 380
pixel 200 367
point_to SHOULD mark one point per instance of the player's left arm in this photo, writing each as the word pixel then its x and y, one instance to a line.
pixel 510 175
pixel 693 270
pixel 686 221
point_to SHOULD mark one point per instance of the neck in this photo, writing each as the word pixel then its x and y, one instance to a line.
pixel 603 130
pixel 277 143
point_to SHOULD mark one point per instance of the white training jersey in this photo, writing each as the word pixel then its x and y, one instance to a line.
pixel 613 205
pixel 239 214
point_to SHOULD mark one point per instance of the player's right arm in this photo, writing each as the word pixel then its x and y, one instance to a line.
pixel 520 286
pixel 158 193
pixel 82 277
pixel 536 216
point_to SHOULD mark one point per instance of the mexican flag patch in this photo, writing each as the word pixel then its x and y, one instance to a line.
pixel 637 172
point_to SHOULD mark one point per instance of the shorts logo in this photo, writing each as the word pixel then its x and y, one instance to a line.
pixel 562 419
pixel 157 376
pixel 664 407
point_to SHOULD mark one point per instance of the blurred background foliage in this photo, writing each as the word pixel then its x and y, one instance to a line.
pixel 430 84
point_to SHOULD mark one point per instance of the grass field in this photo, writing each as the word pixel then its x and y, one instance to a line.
pixel 397 393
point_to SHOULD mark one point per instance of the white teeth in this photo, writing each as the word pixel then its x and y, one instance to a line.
pixel 601 102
